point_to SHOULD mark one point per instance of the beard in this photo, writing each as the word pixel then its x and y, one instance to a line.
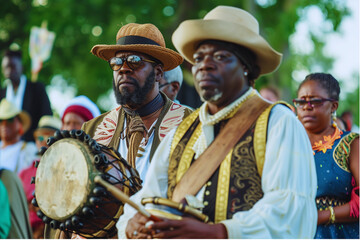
pixel 211 98
pixel 136 97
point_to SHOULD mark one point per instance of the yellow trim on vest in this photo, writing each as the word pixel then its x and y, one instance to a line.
pixel 260 139
pixel 260 136
pixel 188 154
pixel 222 193
pixel 182 128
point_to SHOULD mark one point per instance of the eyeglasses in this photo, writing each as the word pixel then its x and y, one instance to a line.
pixel 133 61
pixel 41 138
pixel 315 102
pixel 163 85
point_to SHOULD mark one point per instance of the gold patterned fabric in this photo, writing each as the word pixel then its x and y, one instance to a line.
pixel 177 155
pixel 236 184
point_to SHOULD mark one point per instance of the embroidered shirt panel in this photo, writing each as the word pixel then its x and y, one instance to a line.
pixel 342 151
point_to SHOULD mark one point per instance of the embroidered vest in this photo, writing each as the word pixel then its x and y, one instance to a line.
pixel 236 184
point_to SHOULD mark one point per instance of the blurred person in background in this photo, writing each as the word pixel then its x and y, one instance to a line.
pixel 336 157
pixel 170 83
pixel 348 118
pixel 19 212
pixel 15 154
pixel 24 94
pixel 79 110
pixel 270 93
pixel 48 125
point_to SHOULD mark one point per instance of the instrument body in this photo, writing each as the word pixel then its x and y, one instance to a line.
pixel 173 210
pixel 65 190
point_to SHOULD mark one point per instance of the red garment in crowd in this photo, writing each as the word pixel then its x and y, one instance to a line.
pixel 25 176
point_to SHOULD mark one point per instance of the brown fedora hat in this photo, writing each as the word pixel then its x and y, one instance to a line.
pixel 142 38
pixel 229 24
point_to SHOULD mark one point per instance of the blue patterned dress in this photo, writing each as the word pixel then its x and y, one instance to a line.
pixel 334 186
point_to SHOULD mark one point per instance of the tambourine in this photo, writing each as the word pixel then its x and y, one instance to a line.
pixel 65 190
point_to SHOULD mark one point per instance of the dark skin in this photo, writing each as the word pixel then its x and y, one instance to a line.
pixel 171 89
pixel 219 79
pixel 12 69
pixel 122 81
pixel 317 123
pixel 121 78
pixel 217 72
pixel 10 131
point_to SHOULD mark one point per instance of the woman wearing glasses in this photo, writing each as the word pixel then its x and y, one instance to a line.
pixel 336 154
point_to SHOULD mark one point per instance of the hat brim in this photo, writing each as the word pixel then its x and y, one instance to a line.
pixel 169 58
pixel 191 33
pixel 25 120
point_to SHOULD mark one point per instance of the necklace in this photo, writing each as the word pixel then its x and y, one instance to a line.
pixel 328 141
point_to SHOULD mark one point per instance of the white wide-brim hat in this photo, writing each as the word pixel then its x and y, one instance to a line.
pixel 229 24
pixel 9 110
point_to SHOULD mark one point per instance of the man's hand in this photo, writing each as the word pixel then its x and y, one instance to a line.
pixel 187 228
pixel 136 227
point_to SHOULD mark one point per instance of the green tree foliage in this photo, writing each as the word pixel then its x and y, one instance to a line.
pixel 81 24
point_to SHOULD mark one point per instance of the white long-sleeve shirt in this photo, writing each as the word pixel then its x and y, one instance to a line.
pixel 287 209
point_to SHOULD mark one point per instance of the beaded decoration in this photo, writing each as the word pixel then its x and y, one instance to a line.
pixel 328 141
pixel 208 121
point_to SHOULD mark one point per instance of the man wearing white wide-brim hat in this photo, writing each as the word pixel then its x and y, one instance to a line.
pixel 248 161
pixel 15 154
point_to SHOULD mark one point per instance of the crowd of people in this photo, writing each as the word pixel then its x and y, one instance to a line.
pixel 253 165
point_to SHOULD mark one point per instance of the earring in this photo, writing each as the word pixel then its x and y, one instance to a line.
pixel 333 116
pixel 245 73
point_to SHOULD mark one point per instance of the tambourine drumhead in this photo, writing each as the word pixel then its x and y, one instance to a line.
pixel 62 186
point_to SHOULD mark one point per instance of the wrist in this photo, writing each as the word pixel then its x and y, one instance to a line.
pixel 220 231
pixel 332 215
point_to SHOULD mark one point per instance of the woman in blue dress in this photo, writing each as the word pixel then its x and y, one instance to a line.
pixel 336 154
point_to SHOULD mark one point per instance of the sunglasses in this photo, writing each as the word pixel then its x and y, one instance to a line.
pixel 9 120
pixel 315 102
pixel 133 61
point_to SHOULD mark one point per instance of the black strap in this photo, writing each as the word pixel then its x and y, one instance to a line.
pixel 129 40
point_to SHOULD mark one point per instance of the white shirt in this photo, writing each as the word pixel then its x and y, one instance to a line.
pixel 142 163
pixel 18 96
pixel 287 209
pixel 18 156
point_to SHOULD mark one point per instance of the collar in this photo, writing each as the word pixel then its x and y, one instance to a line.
pixel 149 108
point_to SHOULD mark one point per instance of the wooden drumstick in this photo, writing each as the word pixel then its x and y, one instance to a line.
pixel 117 193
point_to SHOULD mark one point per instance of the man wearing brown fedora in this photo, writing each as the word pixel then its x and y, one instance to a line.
pixel 248 161
pixel 145 115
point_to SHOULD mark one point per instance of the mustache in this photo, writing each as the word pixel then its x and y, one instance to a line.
pixel 129 79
